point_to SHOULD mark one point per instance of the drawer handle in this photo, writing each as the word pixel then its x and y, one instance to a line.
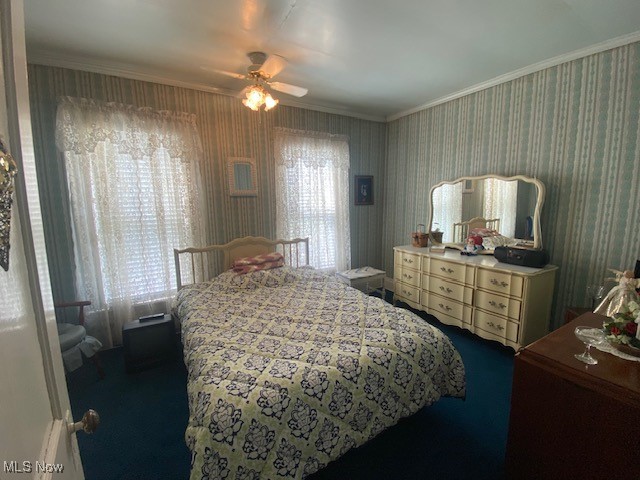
pixel 407 276
pixel 446 307
pixel 447 270
pixel 408 294
pixel 493 325
pixel 408 260
pixel 448 290
pixel 497 305
pixel 496 282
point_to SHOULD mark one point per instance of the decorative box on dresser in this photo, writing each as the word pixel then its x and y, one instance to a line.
pixel 496 301
pixel 571 420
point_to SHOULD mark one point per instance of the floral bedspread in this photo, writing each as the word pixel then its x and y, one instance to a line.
pixel 288 369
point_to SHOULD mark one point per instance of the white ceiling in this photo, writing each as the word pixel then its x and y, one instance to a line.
pixel 368 58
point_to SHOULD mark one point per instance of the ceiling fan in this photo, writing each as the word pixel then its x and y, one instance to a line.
pixel 261 72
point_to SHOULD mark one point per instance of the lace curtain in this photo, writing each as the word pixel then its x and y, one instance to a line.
pixel 134 186
pixel 312 195
pixel 447 209
pixel 500 201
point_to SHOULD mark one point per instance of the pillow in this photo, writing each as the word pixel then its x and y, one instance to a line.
pixel 483 232
pixel 241 269
pixel 258 278
pixel 491 238
pixel 497 241
pixel 258 259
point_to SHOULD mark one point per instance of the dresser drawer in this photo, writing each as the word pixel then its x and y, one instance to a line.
pixel 447 289
pixel 410 260
pixel 456 272
pixel 494 325
pixel 408 292
pixel 407 275
pixel 464 322
pixel 454 309
pixel 505 283
pixel 505 306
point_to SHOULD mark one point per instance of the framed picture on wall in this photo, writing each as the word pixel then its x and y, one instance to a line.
pixel 468 186
pixel 364 189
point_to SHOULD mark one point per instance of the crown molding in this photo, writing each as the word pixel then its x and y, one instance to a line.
pixel 536 67
pixel 42 57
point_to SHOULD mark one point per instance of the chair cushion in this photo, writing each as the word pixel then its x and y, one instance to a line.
pixel 70 335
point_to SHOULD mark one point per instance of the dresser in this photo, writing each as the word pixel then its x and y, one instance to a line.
pixel 571 420
pixel 496 301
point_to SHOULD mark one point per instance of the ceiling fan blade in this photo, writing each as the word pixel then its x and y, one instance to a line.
pixel 243 93
pixel 273 65
pixel 238 76
pixel 289 89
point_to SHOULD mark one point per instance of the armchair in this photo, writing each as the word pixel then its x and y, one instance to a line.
pixel 74 341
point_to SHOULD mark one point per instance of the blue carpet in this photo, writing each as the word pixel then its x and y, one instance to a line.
pixel 142 420
pixel 143 417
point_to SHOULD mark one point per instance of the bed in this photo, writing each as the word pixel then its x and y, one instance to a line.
pixel 288 368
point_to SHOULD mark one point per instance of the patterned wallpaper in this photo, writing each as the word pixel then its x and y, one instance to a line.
pixel 574 126
pixel 228 129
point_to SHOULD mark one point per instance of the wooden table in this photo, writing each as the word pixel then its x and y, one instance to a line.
pixel 571 420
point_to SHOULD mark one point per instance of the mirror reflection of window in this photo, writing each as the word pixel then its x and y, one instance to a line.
pixel 500 201
pixel 513 203
pixel 242 176
pixel 447 209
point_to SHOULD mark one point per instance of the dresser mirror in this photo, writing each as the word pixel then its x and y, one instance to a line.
pixel 510 206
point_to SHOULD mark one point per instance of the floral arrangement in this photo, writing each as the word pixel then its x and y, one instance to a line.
pixel 622 327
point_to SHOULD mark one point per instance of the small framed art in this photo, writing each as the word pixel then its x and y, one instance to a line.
pixel 364 189
pixel 242 177
pixel 468 186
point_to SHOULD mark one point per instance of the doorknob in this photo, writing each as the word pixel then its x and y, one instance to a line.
pixel 88 424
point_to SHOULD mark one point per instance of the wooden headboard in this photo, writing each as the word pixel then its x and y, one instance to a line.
pixel 201 264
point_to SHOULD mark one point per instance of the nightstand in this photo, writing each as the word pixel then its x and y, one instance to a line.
pixel 365 279
pixel 148 343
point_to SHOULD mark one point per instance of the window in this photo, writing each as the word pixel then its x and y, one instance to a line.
pixel 134 193
pixel 312 195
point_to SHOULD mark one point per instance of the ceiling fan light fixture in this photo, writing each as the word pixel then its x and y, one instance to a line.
pixel 270 102
pixel 249 104
pixel 257 96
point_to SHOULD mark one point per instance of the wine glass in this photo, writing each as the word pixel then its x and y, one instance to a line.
pixel 589 336
pixel 595 294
